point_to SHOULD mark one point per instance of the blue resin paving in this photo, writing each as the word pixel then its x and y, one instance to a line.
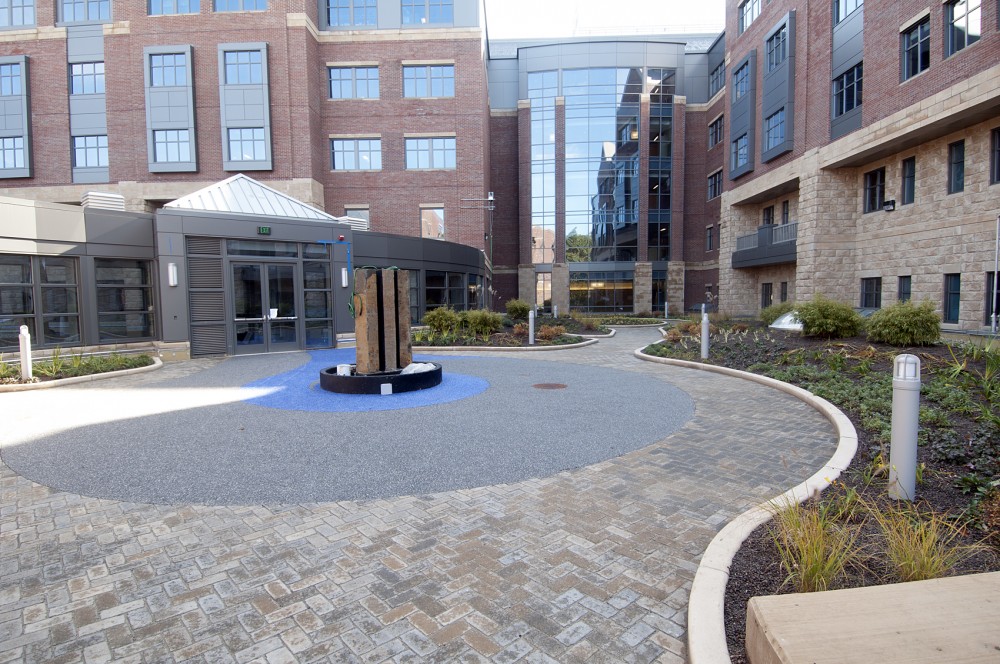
pixel 298 389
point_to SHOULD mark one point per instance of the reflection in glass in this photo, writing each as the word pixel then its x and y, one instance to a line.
pixel 247 299
pixel 601 291
pixel 281 291
pixel 124 299
pixel 249 334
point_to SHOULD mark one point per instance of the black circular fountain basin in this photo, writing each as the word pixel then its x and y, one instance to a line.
pixel 373 383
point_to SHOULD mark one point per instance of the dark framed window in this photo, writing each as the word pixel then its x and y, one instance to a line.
pixel 15 13
pixel 847 90
pixel 717 79
pixel 353 82
pixel 12 152
pixel 124 299
pixel 904 288
pixel 956 167
pixel 784 214
pixel 86 78
pixel 871 293
pixel 874 190
pixel 916 48
pixel 432 223
pixel 429 81
pixel 166 7
pixel 247 144
pixel 11 81
pixel 784 291
pixel 740 155
pixel 418 12
pixel 964 24
pixel 909 178
pixel 995 156
pixel 715 185
pixel 171 146
pixel 85 10
pixel 766 295
pixel 345 13
pixel 715 132
pixel 356 154
pixel 952 297
pixel 992 299
pixel 774 129
pixel 167 69
pixel 430 153
pixel 768 215
pixel 42 293
pixel 90 151
pixel 777 48
pixel 244 67
pixel 709 238
pixel 844 8
pixel 748 10
pixel 741 81
pixel 240 5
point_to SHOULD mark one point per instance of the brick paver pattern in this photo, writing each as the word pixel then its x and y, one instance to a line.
pixel 590 565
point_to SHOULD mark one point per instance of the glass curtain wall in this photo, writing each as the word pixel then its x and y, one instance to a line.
pixel 660 83
pixel 542 91
pixel 601 291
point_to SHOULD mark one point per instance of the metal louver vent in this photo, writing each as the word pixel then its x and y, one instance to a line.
pixel 205 272
pixel 210 246
pixel 208 340
pixel 207 307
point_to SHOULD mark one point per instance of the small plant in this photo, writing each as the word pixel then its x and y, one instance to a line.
pixel 814 549
pixel 673 335
pixel 770 314
pixel 905 324
pixel 441 321
pixel 920 547
pixel 740 327
pixel 8 371
pixel 483 323
pixel 517 309
pixel 826 318
pixel 521 330
pixel 550 332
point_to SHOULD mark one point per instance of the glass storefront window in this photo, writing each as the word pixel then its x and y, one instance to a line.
pixel 26 282
pixel 124 299
pixel 262 248
pixel 601 291
pixel 320 251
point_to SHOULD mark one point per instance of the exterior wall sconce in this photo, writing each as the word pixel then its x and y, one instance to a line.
pixel 172 274
pixel 343 277
pixel 889 206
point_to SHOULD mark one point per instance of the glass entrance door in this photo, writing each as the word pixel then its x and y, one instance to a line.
pixel 265 318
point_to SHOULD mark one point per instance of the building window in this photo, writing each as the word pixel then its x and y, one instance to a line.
pixel 909 180
pixel 416 12
pixel 784 214
pixel 741 81
pixel 432 222
pixel 167 70
pixel 86 78
pixel 903 288
pixel 429 81
pixel 12 152
pixel 917 49
pixel 740 152
pixel 430 153
pixel 709 238
pixel 716 79
pixel 995 157
pixel 15 13
pixel 246 144
pixel 992 299
pixel 715 132
pixel 747 10
pixel 844 8
pixel 774 130
pixel 244 67
pixel 357 154
pixel 90 152
pixel 956 167
pixel 777 48
pixel 847 90
pixel 871 293
pixel 86 10
pixel 163 7
pixel 362 217
pixel 715 185
pixel 874 190
pixel 40 292
pixel 10 80
pixel 124 299
pixel 784 291
pixel 766 295
pixel 964 18
pixel 353 82
pixel 952 297
pixel 240 5
pixel 345 13
pixel 768 215
pixel 171 146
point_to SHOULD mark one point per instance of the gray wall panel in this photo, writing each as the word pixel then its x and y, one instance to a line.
pixel 779 92
pixel 848 42
pixel 742 115
pixel 245 106
pixel 85 43
pixel 15 113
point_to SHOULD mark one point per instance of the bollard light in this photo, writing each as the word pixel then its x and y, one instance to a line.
pixel 905 424
pixel 25 338
pixel 704 333
pixel 531 327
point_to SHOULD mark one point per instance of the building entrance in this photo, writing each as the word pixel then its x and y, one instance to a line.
pixel 264 307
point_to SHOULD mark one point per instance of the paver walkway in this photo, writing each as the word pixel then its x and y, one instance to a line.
pixel 592 564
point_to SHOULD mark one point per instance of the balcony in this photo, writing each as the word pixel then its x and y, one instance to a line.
pixel 772 244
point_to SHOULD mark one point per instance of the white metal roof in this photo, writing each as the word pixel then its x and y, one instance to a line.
pixel 244 195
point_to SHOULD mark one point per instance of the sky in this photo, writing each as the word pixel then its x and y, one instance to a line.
pixel 508 19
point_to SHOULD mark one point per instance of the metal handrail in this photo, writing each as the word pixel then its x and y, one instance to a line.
pixel 746 242
pixel 784 233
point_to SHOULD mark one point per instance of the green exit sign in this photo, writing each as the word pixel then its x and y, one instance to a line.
pixel 263 230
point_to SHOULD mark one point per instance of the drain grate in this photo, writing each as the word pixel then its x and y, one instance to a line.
pixel 549 386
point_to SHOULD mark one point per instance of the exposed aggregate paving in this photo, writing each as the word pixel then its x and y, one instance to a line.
pixel 588 564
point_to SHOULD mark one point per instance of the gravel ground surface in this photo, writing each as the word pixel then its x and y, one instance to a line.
pixel 160 444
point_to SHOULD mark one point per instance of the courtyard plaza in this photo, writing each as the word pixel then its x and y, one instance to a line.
pixel 537 507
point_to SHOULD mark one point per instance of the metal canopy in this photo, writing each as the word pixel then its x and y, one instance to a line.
pixel 244 195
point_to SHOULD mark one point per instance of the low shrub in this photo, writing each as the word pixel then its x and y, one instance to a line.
pixel 550 332
pixel 517 309
pixel 740 327
pixel 483 323
pixel 815 550
pixel 921 547
pixel 521 330
pixel 441 321
pixel 905 324
pixel 770 314
pixel 830 319
pixel 673 334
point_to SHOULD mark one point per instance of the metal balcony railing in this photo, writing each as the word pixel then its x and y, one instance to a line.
pixel 784 233
pixel 746 242
pixel 772 244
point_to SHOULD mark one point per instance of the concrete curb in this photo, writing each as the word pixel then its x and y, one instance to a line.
pixel 599 336
pixel 23 387
pixel 514 349
pixel 706 626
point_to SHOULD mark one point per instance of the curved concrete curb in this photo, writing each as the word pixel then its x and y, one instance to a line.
pixel 22 387
pixel 706 624
pixel 514 349
pixel 599 336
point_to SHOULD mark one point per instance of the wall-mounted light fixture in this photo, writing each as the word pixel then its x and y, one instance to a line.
pixel 343 277
pixel 172 274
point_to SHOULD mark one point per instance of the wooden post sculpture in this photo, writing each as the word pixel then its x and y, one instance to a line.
pixel 382 320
